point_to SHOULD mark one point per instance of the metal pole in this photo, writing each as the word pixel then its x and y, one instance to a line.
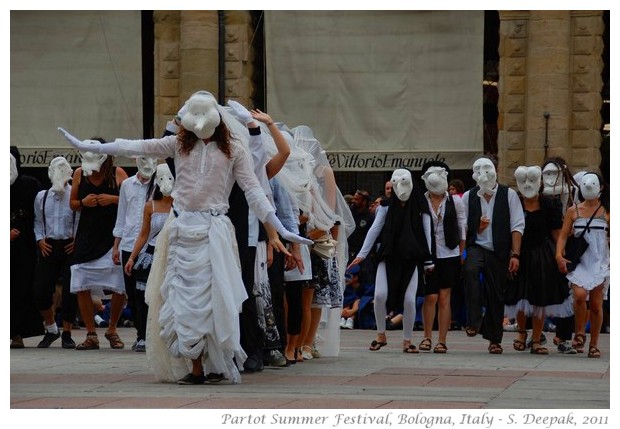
pixel 546 115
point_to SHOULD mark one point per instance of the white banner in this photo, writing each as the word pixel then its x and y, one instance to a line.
pixel 81 70
pixel 378 80
pixel 389 161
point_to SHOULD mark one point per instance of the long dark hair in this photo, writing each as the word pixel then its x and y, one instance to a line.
pixel 222 136
pixel 566 174
pixel 152 191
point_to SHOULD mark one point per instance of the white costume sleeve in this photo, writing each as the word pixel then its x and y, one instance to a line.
pixel 374 231
pixel 39 228
pixel 517 218
pixel 461 216
pixel 121 211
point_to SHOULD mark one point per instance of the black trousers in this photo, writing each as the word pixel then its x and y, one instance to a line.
pixel 251 333
pixel 276 282
pixel 50 270
pixel 293 300
pixel 135 300
pixel 488 293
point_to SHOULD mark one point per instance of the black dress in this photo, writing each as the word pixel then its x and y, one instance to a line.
pixel 94 238
pixel 25 318
pixel 538 283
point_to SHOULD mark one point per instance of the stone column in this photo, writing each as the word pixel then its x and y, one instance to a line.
pixel 550 62
pixel 186 58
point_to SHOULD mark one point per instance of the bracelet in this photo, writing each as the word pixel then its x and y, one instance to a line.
pixel 270 124
pixel 81 203
pixel 514 255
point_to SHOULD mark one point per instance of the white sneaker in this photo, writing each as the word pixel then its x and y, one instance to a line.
pixel 349 323
pixel 343 322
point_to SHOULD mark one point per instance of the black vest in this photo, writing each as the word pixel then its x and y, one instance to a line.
pixel 451 225
pixel 502 235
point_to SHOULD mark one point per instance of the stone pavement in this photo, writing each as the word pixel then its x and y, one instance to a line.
pixel 467 377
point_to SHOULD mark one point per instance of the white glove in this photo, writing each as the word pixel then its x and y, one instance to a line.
pixel 285 233
pixel 240 112
pixel 172 127
pixel 93 146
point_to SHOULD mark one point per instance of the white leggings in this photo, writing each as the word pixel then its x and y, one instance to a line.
pixel 381 293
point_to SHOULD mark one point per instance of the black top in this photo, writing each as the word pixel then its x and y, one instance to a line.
pixel 94 238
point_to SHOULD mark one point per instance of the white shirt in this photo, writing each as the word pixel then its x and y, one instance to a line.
pixel 131 200
pixel 59 219
pixel 205 177
pixel 517 218
pixel 441 250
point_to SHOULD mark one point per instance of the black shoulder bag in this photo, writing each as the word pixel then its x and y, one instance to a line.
pixel 576 245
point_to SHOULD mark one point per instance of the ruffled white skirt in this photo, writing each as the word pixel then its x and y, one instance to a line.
pixel 97 276
pixel 194 293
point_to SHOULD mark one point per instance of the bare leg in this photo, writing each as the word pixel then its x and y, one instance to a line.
pixel 87 310
pixel 596 314
pixel 428 314
pixel 117 303
pixel 445 314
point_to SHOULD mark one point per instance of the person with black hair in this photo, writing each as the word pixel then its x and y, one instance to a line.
pixel 404 225
pixel 138 262
pixel 25 319
pixel 95 194
pixel 590 278
pixel 448 241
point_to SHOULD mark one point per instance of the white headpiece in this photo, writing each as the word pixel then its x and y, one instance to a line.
pixel 92 161
pixel 553 180
pixel 484 175
pixel 146 166
pixel 402 184
pixel 436 180
pixel 202 116
pixel 14 172
pixel 590 186
pixel 59 173
pixel 528 180
pixel 164 179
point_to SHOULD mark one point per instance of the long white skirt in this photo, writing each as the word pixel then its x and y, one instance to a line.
pixel 194 293
pixel 97 276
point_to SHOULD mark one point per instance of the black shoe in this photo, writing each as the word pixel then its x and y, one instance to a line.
pixel 253 364
pixel 67 341
pixel 192 379
pixel 48 339
pixel 213 377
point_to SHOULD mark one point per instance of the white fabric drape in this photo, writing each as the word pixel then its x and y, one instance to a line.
pixel 378 80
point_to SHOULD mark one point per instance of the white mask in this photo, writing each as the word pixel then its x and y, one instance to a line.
pixel 146 166
pixel 402 184
pixel 590 186
pixel 553 180
pixel 164 179
pixel 528 180
pixel 59 173
pixel 484 175
pixel 14 173
pixel 436 180
pixel 202 116
pixel 91 161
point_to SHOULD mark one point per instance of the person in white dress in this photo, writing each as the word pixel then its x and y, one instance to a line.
pixel 590 278
pixel 202 289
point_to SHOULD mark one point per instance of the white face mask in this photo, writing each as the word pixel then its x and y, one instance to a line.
pixel 528 180
pixel 201 117
pixel 484 174
pixel 146 166
pixel 164 179
pixel 590 186
pixel 436 180
pixel 553 180
pixel 92 162
pixel 59 173
pixel 402 184
pixel 14 173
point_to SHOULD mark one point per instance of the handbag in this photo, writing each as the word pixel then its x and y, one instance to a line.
pixel 576 246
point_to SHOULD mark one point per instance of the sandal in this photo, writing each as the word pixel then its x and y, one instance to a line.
pixel 115 340
pixel 425 345
pixel 578 342
pixel 410 349
pixel 540 350
pixel 376 345
pixel 495 349
pixel 594 352
pixel 440 348
pixel 519 345
pixel 471 332
pixel 91 342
